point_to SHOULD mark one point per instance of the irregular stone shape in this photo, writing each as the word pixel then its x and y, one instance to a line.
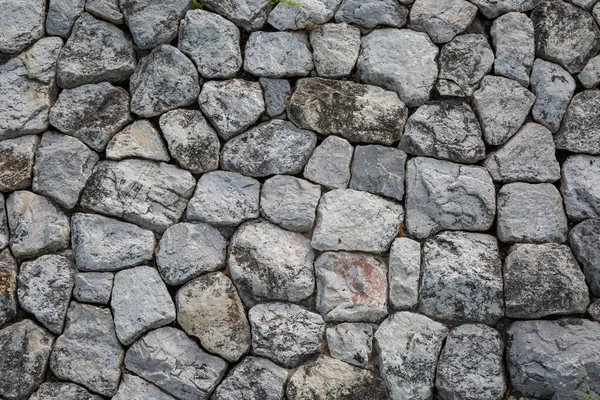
pixel 272 148
pixel 594 310
pixel 335 48
pixel 329 164
pixel 471 365
pixel 442 20
pixel 403 273
pixel 28 86
pixel 399 60
pixel 351 342
pixel 91 113
pixel 502 106
pixel 463 64
pixel 88 352
pixel 553 88
pixel 25 348
pixel 36 225
pixel 231 106
pixel 276 93
pixel 494 8
pixel 172 361
pixel 210 309
pixel 442 195
pixel 16 162
pixel 370 13
pixel 62 391
pixel 140 302
pixel 191 140
pixel 285 333
pixel 105 9
pixel 356 221
pixel 248 14
pixel 407 366
pixel 105 244
pixel 590 75
pixel 328 378
pixel 96 51
pixel 308 15
pixel 8 287
pixel 153 22
pixel 254 378
pixel 177 255
pixel 579 186
pixel 359 113
pixel 4 231
pixel 62 167
pixel 163 80
pixel 542 280
pixel 583 240
pixel 554 359
pixel 529 156
pixel 531 213
pixel 45 287
pixel 565 34
pixel 22 24
pixel 62 14
pixel 149 194
pixel 138 140
pixel 224 198
pixel 445 130
pixel 212 43
pixel 269 263
pixel 93 287
pixel 277 54
pixel 135 388
pixel 579 133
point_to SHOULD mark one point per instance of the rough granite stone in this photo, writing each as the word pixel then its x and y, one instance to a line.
pixel 594 310
pixel 351 342
pixel 22 24
pixel 8 287
pixel 16 162
pixel 277 54
pixel 442 19
pixel 329 164
pixel 514 41
pixel 248 14
pixel 335 49
pixel 370 13
pixel 583 240
pixel 379 170
pixel 494 8
pixel 404 272
pixel 93 287
pixel 579 133
pixel 276 93
pixel 105 9
pixel 580 186
pixel 62 391
pixel 61 16
pixel 4 230
pixel 311 14
pixel 138 140
pixel 135 388
pixel 254 378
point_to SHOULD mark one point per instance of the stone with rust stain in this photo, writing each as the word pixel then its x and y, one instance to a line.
pixel 8 287
pixel 16 162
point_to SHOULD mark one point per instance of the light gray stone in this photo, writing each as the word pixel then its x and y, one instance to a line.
pixel 16 162
pixel 594 310
pixel 404 273
pixel 580 186
pixel 494 8
pixel 254 378
pixel 351 342
pixel 248 14
pixel 138 140
pixel 579 133
pixel 335 49
pixel 329 164
pixel 590 74
pixel 62 391
pixel 105 9
pixel 585 4
pixel 93 287
pixel 370 13
pixel 135 388
pixel 514 41
pixel 276 93
pixel 583 240
pixel 278 54
pixel 22 24
pixel 442 19
pixel 309 14
pixel 4 231
pixel 8 287
pixel 61 16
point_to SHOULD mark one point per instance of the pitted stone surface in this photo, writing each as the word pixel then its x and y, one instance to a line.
pixel 579 133
pixel 138 140
pixel 23 24
pixel 371 13
pixel 278 54
pixel 16 162
pixel 248 14
pixel 403 273
pixel 582 240
pixel 351 342
pixel 277 93
pixel 93 287
pixel 579 187
pixel 105 9
pixel 311 14
pixel 254 378
pixel 335 49
pixel 442 19
pixel 493 8
pixel 62 14
pixel 4 230
pixel 8 282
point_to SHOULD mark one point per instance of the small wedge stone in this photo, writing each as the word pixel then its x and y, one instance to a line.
pixel 579 187
pixel 105 9
pixel 404 273
pixel 590 75
pixel 277 93
pixel 493 8
pixel 579 133
pixel 8 285
pixel 16 162
pixel 583 240
pixel 138 140
pixel 62 14
pixel 329 164
pixel 4 230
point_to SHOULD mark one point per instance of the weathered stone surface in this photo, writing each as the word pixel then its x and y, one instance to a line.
pixel 445 130
pixel 471 365
pixel 310 14
pixel 149 194
pixel 96 51
pixel 515 46
pixel 8 287
pixel 62 167
pixel 329 164
pixel 359 113
pixel 271 148
pixel 224 198
pixel 138 140
pixel 61 16
pixel 172 361
pixel 590 74
pixel 493 8
pixel 16 162
pixel 62 391
pixel 594 310
pixel 248 14
pixel 105 244
pixel 502 106
pixel 4 231
pixel 335 49
pixel 210 309
pixel 399 60
pixel 36 225
pixel 276 93
pixel 579 133
pixel 278 54
pixel 442 195
pixel 163 80
pixel 442 19
pixel 25 348
pixel 285 333
pixel 45 287
pixel 105 9
pixel 269 263
pixel 531 213
pixel 93 287
pixel 407 366
pixel 351 342
pixel 583 240
pixel 356 221
pixel 22 24
pixel 580 187
pixel 379 170
pixel 135 388
pixel 254 378
pixel 140 302
pixel 403 273
pixel 529 156
pixel 88 352
pixel 370 13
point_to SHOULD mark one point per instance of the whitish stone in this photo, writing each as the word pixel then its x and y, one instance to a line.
pixel 105 9
pixel 93 287
pixel 494 8
pixel 140 302
pixel 22 24
pixel 370 13
pixel 529 156
pixel 579 133
pixel 45 287
pixel 16 162
pixel 149 194
pixel 62 167
pixel 407 366
pixel 163 80
pixel 254 378
pixel 285 333
pixel 135 388
pixel 4 231
pixel 502 106
pixel 403 273
pixel 248 14
pixel 172 361
pixel 351 342
pixel 138 140
pixel 513 39
pixel 96 51
pixel 445 130
pixel 269 263
pixel 583 240
pixel 594 310
pixel 580 186
pixel 471 365
pixel 36 225
pixel 62 15
pixel 335 48
pixel 88 352
pixel 308 15
pixel 399 60
pixel 531 213
pixel 8 287
pixel 25 348
pixel 585 4
pixel 271 148
pixel 442 19
pixel 62 391
pixel 276 93
pixel 442 195
pixel 329 164
pixel 359 113
pixel 590 75
pixel 278 54
pixel 105 244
